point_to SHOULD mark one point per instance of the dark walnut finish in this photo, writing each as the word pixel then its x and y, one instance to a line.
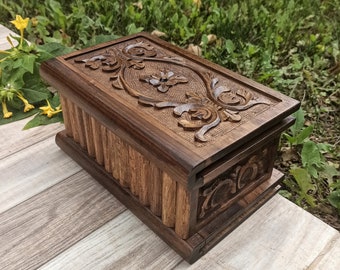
pixel 185 144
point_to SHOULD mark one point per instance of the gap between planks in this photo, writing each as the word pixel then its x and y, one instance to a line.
pixel 40 228
pixel 31 171
pixel 14 139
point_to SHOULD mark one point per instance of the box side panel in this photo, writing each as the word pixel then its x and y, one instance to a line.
pixel 153 187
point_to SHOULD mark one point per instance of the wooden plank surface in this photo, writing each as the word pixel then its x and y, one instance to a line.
pixel 123 243
pixel 15 139
pixel 53 215
pixel 278 236
pixel 32 170
pixel 40 228
pixel 329 257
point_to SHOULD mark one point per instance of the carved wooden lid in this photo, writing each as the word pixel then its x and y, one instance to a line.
pixel 180 106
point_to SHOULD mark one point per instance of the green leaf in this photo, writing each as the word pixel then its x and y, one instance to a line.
pixel 51 50
pixel 299 122
pixel 334 198
pixel 16 78
pixel 329 172
pixel 291 139
pixel 133 29
pixel 335 185
pixel 304 134
pixel 36 92
pixel 40 120
pixel 305 183
pixel 17 115
pixel 28 62
pixel 229 45
pixel 310 154
pixel 204 40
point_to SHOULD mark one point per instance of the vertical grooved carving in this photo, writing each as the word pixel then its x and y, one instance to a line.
pixel 153 187
pixel 143 189
pixel 135 172
pixel 123 164
pixel 114 157
pixel 74 124
pixel 182 212
pixel 66 115
pixel 107 144
pixel 80 126
pixel 168 200
pixel 98 146
pixel 88 134
pixel 155 178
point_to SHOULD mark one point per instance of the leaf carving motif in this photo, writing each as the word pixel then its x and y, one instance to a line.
pixel 205 111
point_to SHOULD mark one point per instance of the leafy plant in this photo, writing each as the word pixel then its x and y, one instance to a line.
pixel 314 176
pixel 298 132
pixel 334 196
pixel 21 89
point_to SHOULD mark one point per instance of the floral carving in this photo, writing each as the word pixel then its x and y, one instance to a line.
pixel 228 185
pixel 205 111
pixel 164 80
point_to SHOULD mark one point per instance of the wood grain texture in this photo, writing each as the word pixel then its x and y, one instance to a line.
pixel 182 212
pixel 168 200
pixel 278 236
pixel 123 243
pixel 14 139
pixel 329 257
pixel 32 170
pixel 36 231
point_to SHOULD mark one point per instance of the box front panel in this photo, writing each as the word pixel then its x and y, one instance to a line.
pixel 235 181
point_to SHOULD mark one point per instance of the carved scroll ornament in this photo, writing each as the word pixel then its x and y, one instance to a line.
pixel 218 104
pixel 228 185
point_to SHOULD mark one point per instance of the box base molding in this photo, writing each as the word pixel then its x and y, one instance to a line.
pixel 201 242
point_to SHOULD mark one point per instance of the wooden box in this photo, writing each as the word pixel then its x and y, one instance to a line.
pixel 186 145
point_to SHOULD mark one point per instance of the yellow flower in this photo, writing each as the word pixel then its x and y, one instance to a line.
pixel 5 111
pixel 20 24
pixel 28 106
pixel 49 111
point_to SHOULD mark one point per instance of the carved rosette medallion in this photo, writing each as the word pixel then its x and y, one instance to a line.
pixel 204 111
pixel 220 192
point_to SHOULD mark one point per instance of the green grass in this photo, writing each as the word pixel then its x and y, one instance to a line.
pixel 289 45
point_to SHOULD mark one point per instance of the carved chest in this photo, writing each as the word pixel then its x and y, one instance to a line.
pixel 185 144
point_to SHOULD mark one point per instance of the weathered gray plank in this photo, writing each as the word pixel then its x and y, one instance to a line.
pixel 279 235
pixel 14 139
pixel 329 258
pixel 38 229
pixel 123 243
pixel 4 32
pixel 31 171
